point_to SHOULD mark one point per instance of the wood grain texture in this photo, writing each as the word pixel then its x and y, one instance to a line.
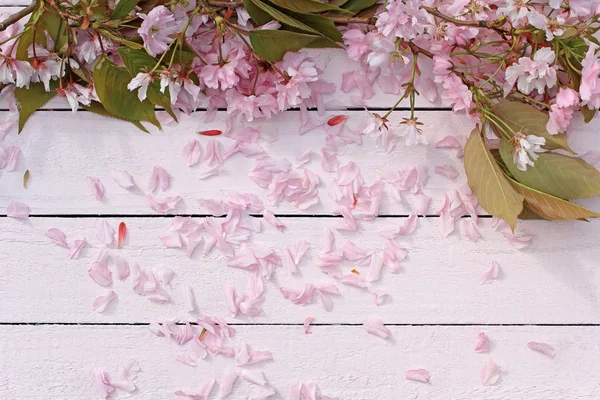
pixel 60 149
pixel 555 280
pixel 55 362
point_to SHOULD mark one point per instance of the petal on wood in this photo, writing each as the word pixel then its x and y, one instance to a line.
pixel 482 345
pixel 122 233
pixel 105 233
pixel 192 152
pixel 490 374
pixel 375 326
pixel 446 170
pixel 543 348
pixel 273 220
pixel 419 375
pixel 253 376
pixel 57 237
pixel 96 187
pixel 75 247
pixel 123 178
pixel 100 273
pixel 17 210
pixel 101 302
pixel 491 273
pixel 307 322
pixel 409 225
pixel 226 384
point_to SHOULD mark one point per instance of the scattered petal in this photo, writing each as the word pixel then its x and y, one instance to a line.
pixel 409 225
pixel 490 373
pixel 162 205
pixel 159 179
pixel 226 384
pixel 101 302
pixel 375 326
pixel 307 323
pixel 253 376
pixel 375 268
pixel 491 273
pixel 446 170
pixel 208 172
pixel 189 300
pixel 96 187
pixel 100 273
pixel 543 348
pixel 122 268
pixel 192 152
pixel 273 220
pixel 17 210
pixel 123 178
pixel 419 375
pixel 448 142
pixel 483 343
pixel 57 237
pixel 122 233
pixel 127 373
pixel 102 383
pixel 105 233
pixel 212 132
pixel 75 248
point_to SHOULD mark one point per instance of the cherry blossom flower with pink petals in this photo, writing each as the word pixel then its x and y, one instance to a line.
pixel 302 70
pixel 589 89
pixel 156 29
pixel 17 210
pixel 96 187
pixel 536 74
pixel 403 19
pixel 491 273
pixel 543 348
pixel 482 345
pixel 123 179
pixel 419 375
pixel 101 302
pixel 192 152
pixel 105 233
pixel 58 237
pixel 375 326
pixel 490 374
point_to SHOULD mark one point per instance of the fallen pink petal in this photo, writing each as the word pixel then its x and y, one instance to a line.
pixel 375 327
pixel 490 374
pixel 57 237
pixel 543 348
pixel 419 375
pixel 101 302
pixel 491 273
pixel 482 345
pixel 17 210
pixel 96 187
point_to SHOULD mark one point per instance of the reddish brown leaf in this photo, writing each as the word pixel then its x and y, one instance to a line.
pixel 122 232
pixel 213 132
pixel 338 119
pixel 355 271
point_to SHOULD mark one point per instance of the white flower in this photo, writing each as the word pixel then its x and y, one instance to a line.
pixel 141 80
pixel 44 71
pixel 412 134
pixel 525 149
pixel 515 10
pixel 15 71
pixel 532 74
pixel 385 55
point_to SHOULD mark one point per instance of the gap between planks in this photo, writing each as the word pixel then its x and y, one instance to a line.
pixel 283 324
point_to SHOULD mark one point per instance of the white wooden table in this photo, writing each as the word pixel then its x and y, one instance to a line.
pixel 51 339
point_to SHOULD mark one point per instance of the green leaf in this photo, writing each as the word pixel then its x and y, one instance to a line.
pixel 272 45
pixel 283 17
pixel 99 109
pixel 111 86
pixel 488 182
pixel 137 61
pixel 550 207
pixel 126 42
pixel 258 15
pixel 322 25
pixel 29 100
pixel 558 175
pixel 358 5
pixel 588 114
pixel 307 6
pixel 123 8
pixel 530 121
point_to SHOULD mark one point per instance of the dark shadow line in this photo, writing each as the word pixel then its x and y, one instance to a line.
pixel 291 324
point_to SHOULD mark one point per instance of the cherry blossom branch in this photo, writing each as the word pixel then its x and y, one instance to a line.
pixel 18 15
pixel 479 24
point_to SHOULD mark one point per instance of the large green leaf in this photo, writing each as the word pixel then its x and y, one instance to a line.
pixel 488 182
pixel 530 121
pixel 29 100
pixel 259 16
pixel 137 61
pixel 550 207
pixel 283 17
pixel 99 109
pixel 272 45
pixel 358 5
pixel 323 25
pixel 307 6
pixel 558 175
pixel 123 8
pixel 111 86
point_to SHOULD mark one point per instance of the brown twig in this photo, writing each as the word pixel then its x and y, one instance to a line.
pixel 18 15
pixel 226 3
pixel 479 24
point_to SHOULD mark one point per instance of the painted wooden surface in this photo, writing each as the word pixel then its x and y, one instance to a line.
pixel 50 339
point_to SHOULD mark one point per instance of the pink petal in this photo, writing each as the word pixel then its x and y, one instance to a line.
pixel 246 134
pixel 519 242
pixel 273 220
pixel 213 155
pixel 304 158
pixel 307 323
pixel 375 326
pixel 164 275
pixel 347 174
pixel 75 247
pixel 100 273
pixel 409 225
pixel 127 373
pixel 446 170
pixel 543 348
pixel 329 162
pixel 101 302
pixel 171 240
pixel 159 179
pixel 483 343
pixel 189 300
pixel 57 237
pixel 187 358
pixel 348 223
pixel 446 223
pixel 378 296
pixel 123 178
pixel 393 255
pixel 299 297
pixel 353 253
pixel 448 142
pixel 12 154
pixel 253 376
pixel 491 273
pixel 105 233
pixel 353 280
pixel 208 172
pixel 17 210
pixel 192 152
pixel 422 202
pixel 306 390
pixel 419 375
pixel 96 187
pixel 102 383
pixel 226 384
pixel 162 205
pixel 375 268
pixel 468 227
pixel 244 355
pixel 490 373
pixel 122 268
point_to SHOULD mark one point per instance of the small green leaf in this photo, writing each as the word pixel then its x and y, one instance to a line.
pixel 358 5
pixel 123 8
pixel 99 109
pixel 588 114
pixel 558 175
pixel 25 178
pixel 530 121
pixel 272 45
pixel 550 207
pixel 257 14
pixel 488 182
pixel 29 100
pixel 307 6
pixel 111 86
pixel 123 41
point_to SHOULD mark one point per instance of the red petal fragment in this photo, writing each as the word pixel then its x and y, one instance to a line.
pixel 122 232
pixel 212 132
pixel 338 119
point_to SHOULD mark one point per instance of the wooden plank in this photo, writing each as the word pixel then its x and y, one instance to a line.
pixel 554 281
pixel 60 149
pixel 56 362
